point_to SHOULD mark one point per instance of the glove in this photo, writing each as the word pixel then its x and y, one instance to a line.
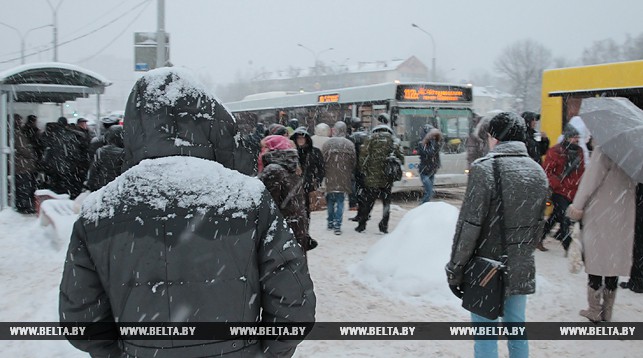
pixel 456 291
pixel 573 213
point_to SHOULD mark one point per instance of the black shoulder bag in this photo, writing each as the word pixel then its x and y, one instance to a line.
pixel 483 279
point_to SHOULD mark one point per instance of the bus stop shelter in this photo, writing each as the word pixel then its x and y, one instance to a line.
pixel 53 82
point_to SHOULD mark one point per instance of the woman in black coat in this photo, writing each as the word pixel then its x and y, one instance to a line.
pixel 311 161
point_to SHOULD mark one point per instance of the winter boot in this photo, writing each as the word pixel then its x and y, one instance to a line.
pixel 361 227
pixel 608 303
pixel 593 313
pixel 383 227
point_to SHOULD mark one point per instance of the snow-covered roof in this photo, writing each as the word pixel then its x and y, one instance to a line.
pixel 51 82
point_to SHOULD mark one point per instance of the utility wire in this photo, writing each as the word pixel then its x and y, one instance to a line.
pixel 117 36
pixel 144 2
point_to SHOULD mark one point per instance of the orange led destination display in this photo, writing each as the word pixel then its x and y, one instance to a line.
pixel 328 98
pixel 414 93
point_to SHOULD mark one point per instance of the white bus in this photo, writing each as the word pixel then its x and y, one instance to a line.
pixel 448 107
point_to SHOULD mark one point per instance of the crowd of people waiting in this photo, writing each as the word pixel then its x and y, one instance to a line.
pixel 64 158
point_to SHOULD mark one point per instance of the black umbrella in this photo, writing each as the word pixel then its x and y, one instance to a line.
pixel 617 127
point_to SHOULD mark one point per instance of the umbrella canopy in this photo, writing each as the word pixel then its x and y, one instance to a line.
pixel 617 127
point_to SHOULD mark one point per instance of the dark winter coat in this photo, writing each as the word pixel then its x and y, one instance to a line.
pixel 536 149
pixel 25 159
pixel 373 154
pixel 108 160
pixel 564 167
pixel 524 192
pixel 429 150
pixel 358 137
pixel 65 158
pixel 32 133
pixel 287 190
pixel 183 239
pixel 161 125
pixel 339 162
pixel 311 161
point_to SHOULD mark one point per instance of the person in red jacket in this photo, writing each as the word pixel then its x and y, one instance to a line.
pixel 564 166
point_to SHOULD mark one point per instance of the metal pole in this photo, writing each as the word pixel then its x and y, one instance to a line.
pixel 433 74
pixel 55 25
pixel 12 156
pixel 160 34
pixel 4 151
pixel 98 122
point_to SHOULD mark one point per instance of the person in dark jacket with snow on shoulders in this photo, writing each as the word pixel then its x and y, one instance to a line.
pixel 108 160
pixel 181 237
pixel 523 196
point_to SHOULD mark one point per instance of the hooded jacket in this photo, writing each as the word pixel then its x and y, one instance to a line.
pixel 310 160
pixel 180 238
pixel 339 160
pixel 429 150
pixel 524 192
pixel 169 115
pixel 285 186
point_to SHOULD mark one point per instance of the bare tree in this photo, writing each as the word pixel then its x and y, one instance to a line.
pixel 522 64
pixel 602 51
pixel 633 48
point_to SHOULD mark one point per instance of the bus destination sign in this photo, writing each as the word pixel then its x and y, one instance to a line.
pixel 328 98
pixel 433 93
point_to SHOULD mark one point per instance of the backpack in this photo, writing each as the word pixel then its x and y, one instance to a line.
pixel 393 169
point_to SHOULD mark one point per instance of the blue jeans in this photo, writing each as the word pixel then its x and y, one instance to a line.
pixel 514 312
pixel 427 181
pixel 335 209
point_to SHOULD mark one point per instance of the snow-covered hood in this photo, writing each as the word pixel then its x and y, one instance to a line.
pixel 170 113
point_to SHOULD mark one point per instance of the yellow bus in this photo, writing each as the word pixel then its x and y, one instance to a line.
pixel 564 88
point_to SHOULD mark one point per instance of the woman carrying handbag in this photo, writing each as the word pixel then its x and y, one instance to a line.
pixel 501 205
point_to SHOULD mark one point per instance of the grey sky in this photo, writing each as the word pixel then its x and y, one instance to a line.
pixel 223 38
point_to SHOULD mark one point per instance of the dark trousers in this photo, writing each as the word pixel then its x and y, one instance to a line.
pixel 595 282
pixel 25 188
pixel 636 273
pixel 558 216
pixel 370 195
pixel 355 198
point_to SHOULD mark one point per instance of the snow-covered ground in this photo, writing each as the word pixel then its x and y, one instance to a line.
pixel 358 277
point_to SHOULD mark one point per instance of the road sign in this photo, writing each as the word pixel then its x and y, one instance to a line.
pixel 145 50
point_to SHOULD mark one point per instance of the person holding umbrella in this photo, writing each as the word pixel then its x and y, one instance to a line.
pixel 605 200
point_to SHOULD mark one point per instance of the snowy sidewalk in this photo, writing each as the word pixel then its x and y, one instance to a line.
pixel 31 266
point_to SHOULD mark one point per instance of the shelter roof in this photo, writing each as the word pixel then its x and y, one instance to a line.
pixel 51 82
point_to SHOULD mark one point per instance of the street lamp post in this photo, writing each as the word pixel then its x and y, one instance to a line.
pixel 23 38
pixel 433 76
pixel 55 26
pixel 315 55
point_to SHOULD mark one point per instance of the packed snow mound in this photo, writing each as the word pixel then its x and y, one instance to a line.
pixel 409 262
pixel 186 181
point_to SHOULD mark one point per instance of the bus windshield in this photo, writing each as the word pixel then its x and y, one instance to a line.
pixel 453 123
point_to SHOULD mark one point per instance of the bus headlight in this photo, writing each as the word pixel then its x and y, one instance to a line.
pixel 409 175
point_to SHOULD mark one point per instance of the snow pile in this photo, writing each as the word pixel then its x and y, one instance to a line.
pixel 186 181
pixel 409 261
